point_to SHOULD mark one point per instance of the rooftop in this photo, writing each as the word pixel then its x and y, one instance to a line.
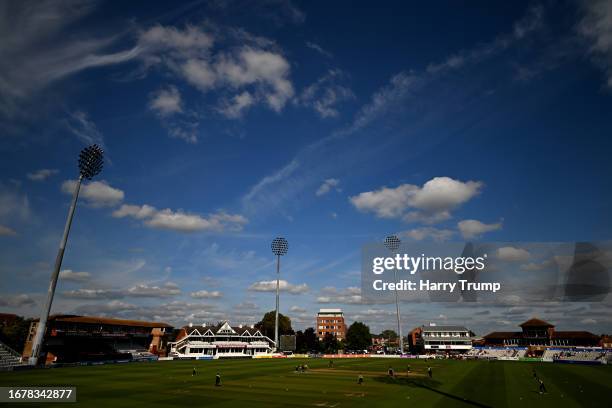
pixel 535 322
pixel 330 311
pixel 105 320
pixel 443 328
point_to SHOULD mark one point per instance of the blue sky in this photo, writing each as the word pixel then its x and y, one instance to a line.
pixel 226 124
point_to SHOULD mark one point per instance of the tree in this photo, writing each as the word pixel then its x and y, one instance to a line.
pixel 306 341
pixel 300 342
pixel 266 325
pixel 389 334
pixel 311 339
pixel 330 344
pixel 358 337
pixel 14 333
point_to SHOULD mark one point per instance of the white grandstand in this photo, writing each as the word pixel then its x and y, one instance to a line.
pixel 490 353
pixel 578 355
pixel 433 338
pixel 220 341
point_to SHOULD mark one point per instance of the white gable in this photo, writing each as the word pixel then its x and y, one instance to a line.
pixel 226 329
pixel 195 332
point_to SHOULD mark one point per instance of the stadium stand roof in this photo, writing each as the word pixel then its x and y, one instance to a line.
pixel 443 328
pixel 503 335
pixel 573 334
pixel 535 322
pixel 105 320
pixel 215 329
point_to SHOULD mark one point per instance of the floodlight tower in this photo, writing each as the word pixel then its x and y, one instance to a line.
pixel 91 160
pixel 392 243
pixel 279 248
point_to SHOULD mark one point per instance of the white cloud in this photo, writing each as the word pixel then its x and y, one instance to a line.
pixel 251 73
pixel 6 231
pixel 319 49
pixel 107 309
pixel 181 221
pixel 200 74
pixel 433 201
pixel 168 289
pixel 190 41
pixel 42 174
pixel 166 101
pixel 12 300
pixel 84 293
pixel 327 186
pixel 34 36
pixel 189 53
pixel 435 234
pixel 259 196
pixel 596 26
pixel 95 193
pixel 72 276
pixel 474 228
pixel 268 71
pixel 326 94
pixel 13 204
pixel 349 295
pixel 144 290
pixel 284 286
pixel 237 105
pixel 135 211
pixel 84 128
pixel 384 100
pixel 535 267
pixel 297 309
pixel 205 294
pixel 184 222
pixel 385 202
pixel 444 193
pixel 512 254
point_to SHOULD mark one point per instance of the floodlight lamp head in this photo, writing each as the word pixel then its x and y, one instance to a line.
pixel 392 243
pixel 91 161
pixel 279 246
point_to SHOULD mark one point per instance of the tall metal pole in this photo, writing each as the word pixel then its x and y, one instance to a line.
pixel 44 316
pixel 279 248
pixel 397 309
pixel 277 296
pixel 393 243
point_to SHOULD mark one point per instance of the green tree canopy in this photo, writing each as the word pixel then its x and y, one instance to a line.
pixel 330 344
pixel 266 325
pixel 358 337
pixel 389 334
pixel 306 341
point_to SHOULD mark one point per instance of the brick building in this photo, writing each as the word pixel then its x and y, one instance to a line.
pixel 331 321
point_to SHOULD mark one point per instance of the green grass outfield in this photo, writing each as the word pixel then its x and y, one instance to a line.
pixel 273 382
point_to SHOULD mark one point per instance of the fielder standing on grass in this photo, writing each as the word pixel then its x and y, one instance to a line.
pixel 542 387
pixel 429 372
pixel 218 380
